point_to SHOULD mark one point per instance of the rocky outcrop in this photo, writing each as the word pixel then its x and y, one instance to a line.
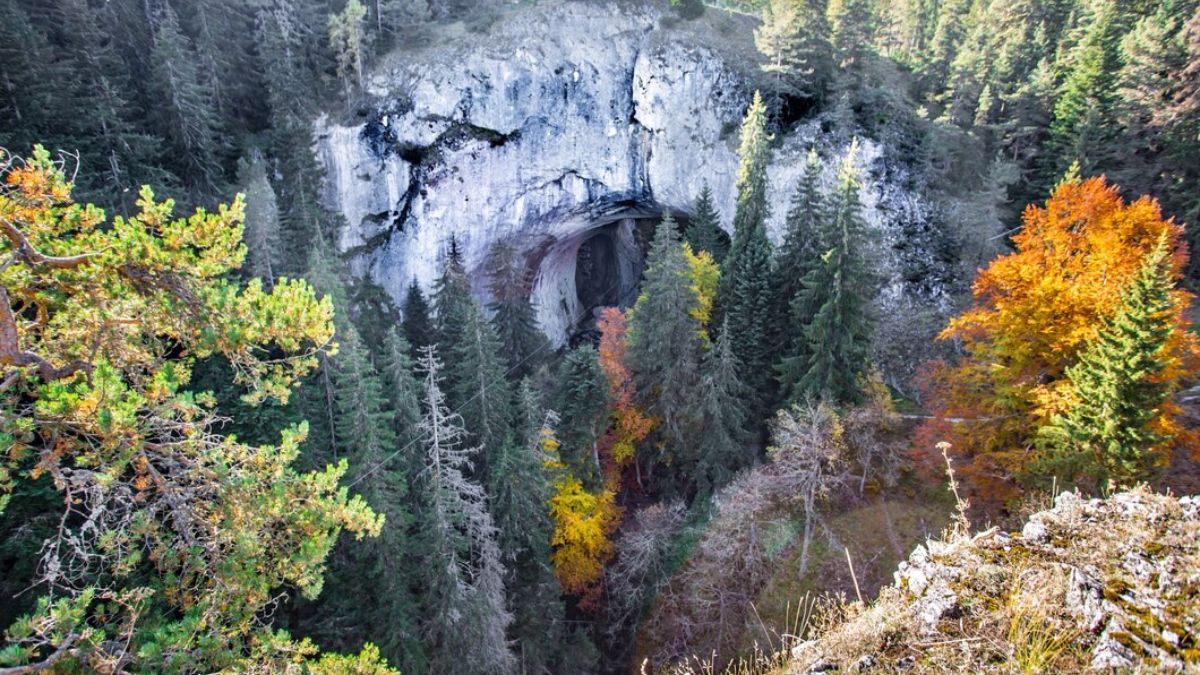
pixel 1088 585
pixel 562 119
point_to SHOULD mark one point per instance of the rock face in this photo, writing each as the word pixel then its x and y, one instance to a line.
pixel 558 122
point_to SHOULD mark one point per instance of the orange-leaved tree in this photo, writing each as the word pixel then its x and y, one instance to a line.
pixel 630 423
pixel 1034 309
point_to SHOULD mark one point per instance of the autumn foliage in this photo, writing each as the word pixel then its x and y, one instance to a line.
pixel 1034 309
pixel 629 423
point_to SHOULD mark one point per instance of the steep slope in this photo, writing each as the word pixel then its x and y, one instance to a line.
pixel 560 120
pixel 1087 585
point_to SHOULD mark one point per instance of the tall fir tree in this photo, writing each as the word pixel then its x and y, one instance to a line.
pixel 396 367
pixel 836 293
pixel 264 246
pixel 799 254
pixel 665 344
pixel 704 231
pixel 582 402
pixel 852 26
pixel 185 115
pixel 723 444
pixel 481 391
pixel 513 315
pixel 386 613
pixel 418 326
pixel 751 319
pixel 1083 125
pixel 794 40
pixel 464 606
pixel 1115 429
pixel 752 208
pixel 451 300
pixel 519 492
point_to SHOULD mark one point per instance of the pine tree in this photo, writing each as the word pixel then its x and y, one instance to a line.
pixel 184 113
pixel 722 440
pixel 346 39
pixel 582 402
pixel 263 245
pixel 853 31
pixel 519 492
pixel 513 314
pixel 417 324
pixel 386 614
pixel 799 254
pixel 837 293
pixel 465 613
pixel 704 231
pixel 451 300
pixel 752 208
pixel 794 39
pixel 396 368
pixel 1083 123
pixel 480 389
pixel 1121 383
pixel 751 318
pixel 665 346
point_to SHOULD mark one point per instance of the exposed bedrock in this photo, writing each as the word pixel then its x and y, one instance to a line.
pixel 555 131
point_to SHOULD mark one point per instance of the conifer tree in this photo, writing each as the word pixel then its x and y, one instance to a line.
pixel 396 368
pixel 513 314
pixel 794 39
pixel 347 41
pixel 418 326
pixel 1083 123
pixel 722 439
pixel 1115 428
pixel 837 292
pixel 519 492
pixel 752 208
pixel 704 231
pixel 386 613
pixel 262 234
pixel 751 318
pixel 465 614
pixel 799 254
pixel 665 347
pixel 582 403
pixel 451 300
pixel 853 31
pixel 185 113
pixel 481 391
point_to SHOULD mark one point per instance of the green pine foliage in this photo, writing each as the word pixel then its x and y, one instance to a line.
pixel 704 231
pixel 794 41
pixel 1110 433
pixel 836 292
pixel 799 254
pixel 723 444
pixel 451 301
pixel 418 325
pixel 582 401
pixel 513 315
pixel 481 391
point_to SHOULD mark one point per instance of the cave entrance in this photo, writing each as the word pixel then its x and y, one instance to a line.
pixel 597 273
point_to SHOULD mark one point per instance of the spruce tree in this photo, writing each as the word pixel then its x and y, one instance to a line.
pixel 794 39
pixel 752 209
pixel 418 326
pixel 799 254
pixel 386 613
pixel 853 31
pixel 751 319
pixel 513 314
pixel 704 231
pixel 836 293
pixel 1120 385
pixel 519 492
pixel 396 367
pixel 264 248
pixel 481 391
pixel 665 344
pixel 1082 128
pixel 722 441
pixel 463 600
pixel 582 402
pixel 184 113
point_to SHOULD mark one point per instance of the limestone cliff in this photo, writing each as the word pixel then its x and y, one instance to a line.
pixel 561 121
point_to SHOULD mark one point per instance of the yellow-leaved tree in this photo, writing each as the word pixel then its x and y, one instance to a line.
pixel 172 538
